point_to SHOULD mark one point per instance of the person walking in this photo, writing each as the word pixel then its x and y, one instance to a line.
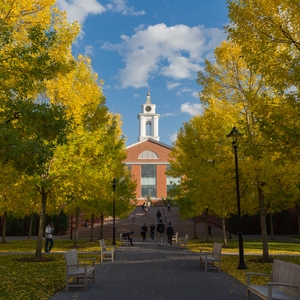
pixel 169 206
pixel 158 216
pixel 49 238
pixel 209 230
pixel 170 233
pixel 160 228
pixel 144 231
pixel 152 230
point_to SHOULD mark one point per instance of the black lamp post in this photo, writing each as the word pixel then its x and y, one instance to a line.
pixel 234 133
pixel 114 211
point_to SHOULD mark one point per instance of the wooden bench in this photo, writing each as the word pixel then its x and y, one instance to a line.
pixel 183 242
pixel 123 240
pixel 105 253
pixel 175 239
pixel 283 285
pixel 80 271
pixel 210 258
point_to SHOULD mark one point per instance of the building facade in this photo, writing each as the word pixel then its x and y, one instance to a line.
pixel 148 159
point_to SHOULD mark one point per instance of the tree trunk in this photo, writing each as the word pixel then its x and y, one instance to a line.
pixel 224 232
pixel 206 225
pixel 4 227
pixel 92 228
pixel 38 250
pixel 271 227
pixel 30 226
pixel 229 225
pixel 195 228
pixel 101 226
pixel 76 227
pixel 298 216
pixel 263 225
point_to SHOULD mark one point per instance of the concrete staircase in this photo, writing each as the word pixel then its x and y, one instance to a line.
pixel 137 218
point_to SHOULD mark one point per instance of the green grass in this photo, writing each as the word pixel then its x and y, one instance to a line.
pixel 22 277
pixel 253 256
pixel 60 245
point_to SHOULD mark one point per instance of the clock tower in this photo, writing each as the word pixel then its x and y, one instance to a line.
pixel 148 121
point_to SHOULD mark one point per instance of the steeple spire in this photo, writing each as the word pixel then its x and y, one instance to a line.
pixel 148 120
pixel 148 99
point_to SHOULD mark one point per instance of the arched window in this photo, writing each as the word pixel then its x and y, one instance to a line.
pixel 148 128
pixel 148 155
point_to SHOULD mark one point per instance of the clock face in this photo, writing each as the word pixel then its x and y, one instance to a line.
pixel 148 108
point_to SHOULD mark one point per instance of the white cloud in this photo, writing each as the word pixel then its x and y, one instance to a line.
pixel 78 10
pixel 121 7
pixel 192 92
pixel 173 137
pixel 172 85
pixel 175 52
pixel 168 114
pixel 88 50
pixel 195 94
pixel 191 108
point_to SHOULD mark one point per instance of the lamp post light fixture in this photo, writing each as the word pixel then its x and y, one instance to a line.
pixel 114 211
pixel 234 134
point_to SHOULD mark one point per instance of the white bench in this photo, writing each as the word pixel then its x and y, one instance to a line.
pixel 175 239
pixel 80 271
pixel 123 240
pixel 183 242
pixel 283 285
pixel 106 254
pixel 210 258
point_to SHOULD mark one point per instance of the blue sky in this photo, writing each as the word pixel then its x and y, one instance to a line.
pixel 155 45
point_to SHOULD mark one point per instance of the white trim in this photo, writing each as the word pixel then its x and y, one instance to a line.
pixel 150 140
pixel 148 154
pixel 146 163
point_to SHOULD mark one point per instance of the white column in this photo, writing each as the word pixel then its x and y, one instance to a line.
pixel 156 128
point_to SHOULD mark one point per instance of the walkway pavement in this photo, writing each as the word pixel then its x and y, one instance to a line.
pixel 149 271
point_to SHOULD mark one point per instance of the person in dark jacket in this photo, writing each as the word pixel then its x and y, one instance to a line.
pixel 170 233
pixel 209 230
pixel 160 228
pixel 158 215
pixel 152 230
pixel 144 231
pixel 128 235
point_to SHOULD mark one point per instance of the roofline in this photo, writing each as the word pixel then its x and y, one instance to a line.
pixel 150 140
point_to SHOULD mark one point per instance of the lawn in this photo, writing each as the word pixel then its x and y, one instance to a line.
pixel 253 256
pixel 22 277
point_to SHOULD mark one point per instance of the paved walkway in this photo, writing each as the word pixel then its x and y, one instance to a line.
pixel 149 271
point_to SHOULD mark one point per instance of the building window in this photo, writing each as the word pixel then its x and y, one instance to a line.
pixel 171 180
pixel 148 128
pixel 148 155
pixel 129 168
pixel 148 181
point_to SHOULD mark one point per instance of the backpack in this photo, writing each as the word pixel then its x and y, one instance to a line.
pixel 170 230
pixel 161 228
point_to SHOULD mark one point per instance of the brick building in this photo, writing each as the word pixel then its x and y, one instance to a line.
pixel 148 158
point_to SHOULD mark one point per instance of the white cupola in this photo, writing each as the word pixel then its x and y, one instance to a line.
pixel 148 121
